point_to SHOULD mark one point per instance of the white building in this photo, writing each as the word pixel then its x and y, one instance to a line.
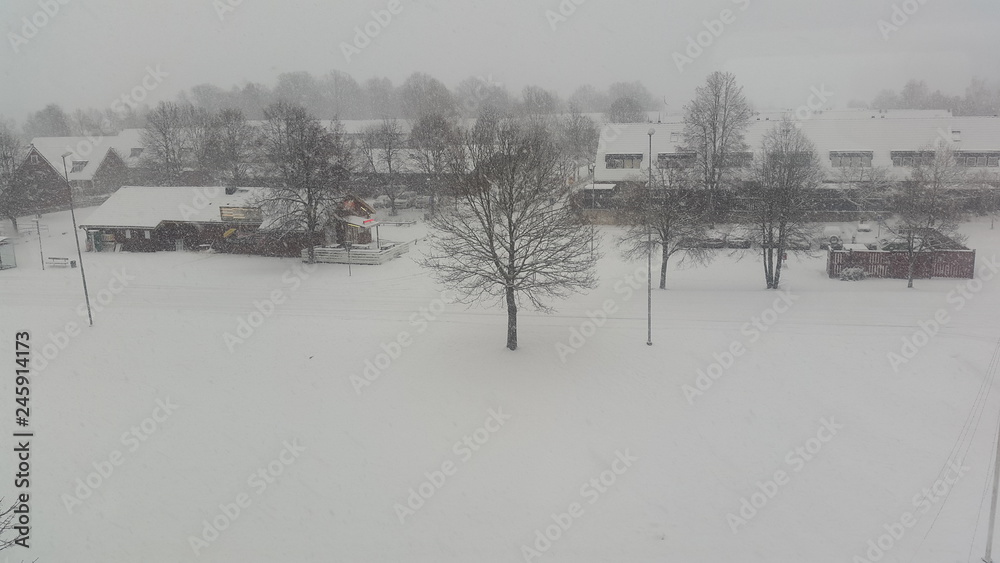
pixel 893 140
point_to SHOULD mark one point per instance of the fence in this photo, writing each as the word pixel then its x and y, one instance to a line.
pixel 338 255
pixel 895 265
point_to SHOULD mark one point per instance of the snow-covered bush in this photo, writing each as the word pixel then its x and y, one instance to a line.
pixel 852 274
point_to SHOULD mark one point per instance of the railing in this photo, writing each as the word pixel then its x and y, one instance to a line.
pixel 363 256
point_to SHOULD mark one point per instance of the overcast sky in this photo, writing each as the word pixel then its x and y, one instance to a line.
pixel 93 51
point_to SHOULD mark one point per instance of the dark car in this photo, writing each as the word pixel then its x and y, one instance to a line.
pixel 737 242
pixel 708 242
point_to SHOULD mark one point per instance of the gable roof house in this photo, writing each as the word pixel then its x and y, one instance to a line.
pixel 93 169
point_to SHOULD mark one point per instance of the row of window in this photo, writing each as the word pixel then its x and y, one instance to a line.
pixel 145 234
pixel 671 160
pixel 851 159
pixel 838 159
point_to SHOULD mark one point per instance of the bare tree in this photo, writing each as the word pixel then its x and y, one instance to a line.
pixel 926 211
pixel 784 171
pixel 51 121
pixel 382 148
pixel 578 137
pixel 513 236
pixel 6 523
pixel 238 145
pixel 672 216
pixel 433 138
pixel 989 185
pixel 626 110
pixel 168 144
pixel 17 193
pixel 866 187
pixel 714 125
pixel 311 164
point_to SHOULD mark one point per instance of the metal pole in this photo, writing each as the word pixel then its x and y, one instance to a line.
pixel 988 558
pixel 41 253
pixel 649 248
pixel 76 236
pixel 593 204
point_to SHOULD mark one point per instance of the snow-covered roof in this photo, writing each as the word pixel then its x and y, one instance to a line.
pixel 84 159
pixel 853 131
pixel 146 207
pixel 129 145
pixel 89 152
pixel 597 187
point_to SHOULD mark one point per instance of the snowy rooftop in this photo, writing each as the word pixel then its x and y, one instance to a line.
pixel 85 156
pixel 147 207
pixel 855 131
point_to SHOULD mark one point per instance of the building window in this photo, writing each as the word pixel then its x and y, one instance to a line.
pixel 146 234
pixel 856 159
pixel 136 152
pixel 79 165
pixel 983 159
pixel 128 233
pixel 911 158
pixel 620 161
pixel 34 159
pixel 675 160
pixel 675 137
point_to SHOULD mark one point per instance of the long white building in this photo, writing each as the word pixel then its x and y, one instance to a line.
pixel 893 140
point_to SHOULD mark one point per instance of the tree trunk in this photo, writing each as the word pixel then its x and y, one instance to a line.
pixel 13 224
pixel 777 269
pixel 769 267
pixel 663 268
pixel 511 320
pixel 910 268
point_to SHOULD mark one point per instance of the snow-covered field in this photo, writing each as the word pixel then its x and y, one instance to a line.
pixel 315 435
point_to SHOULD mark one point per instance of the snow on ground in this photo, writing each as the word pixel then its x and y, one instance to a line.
pixel 338 466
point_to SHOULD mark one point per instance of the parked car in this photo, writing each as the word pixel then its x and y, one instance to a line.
pixel 422 201
pixel 405 200
pixel 737 242
pixel 794 243
pixel 381 202
pixel 707 242
pixel 798 243
pixel 895 245
pixel 864 227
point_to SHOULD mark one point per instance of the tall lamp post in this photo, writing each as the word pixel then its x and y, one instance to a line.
pixel 593 204
pixel 76 236
pixel 649 247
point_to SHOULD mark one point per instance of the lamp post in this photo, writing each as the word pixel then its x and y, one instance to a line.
pixel 649 247
pixel 38 231
pixel 348 246
pixel 76 236
pixel 593 204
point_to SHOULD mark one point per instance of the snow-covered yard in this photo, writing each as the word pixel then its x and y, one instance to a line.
pixel 230 408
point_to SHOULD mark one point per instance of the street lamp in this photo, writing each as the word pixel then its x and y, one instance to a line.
pixel 76 236
pixel 593 203
pixel 38 231
pixel 649 247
